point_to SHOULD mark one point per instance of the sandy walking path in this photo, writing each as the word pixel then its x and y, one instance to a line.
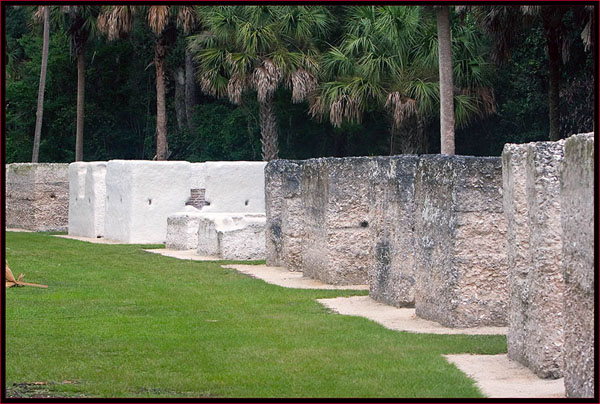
pixel 183 254
pixel 97 240
pixel 282 277
pixel 498 377
pixel 399 319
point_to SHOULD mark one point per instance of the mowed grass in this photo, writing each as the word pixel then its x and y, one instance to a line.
pixel 116 321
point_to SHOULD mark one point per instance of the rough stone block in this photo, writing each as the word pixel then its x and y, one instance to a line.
pixel 37 196
pixel 232 236
pixel 87 197
pixel 577 203
pixel 461 251
pixel 140 195
pixel 392 225
pixel 338 248
pixel 182 229
pixel 533 210
pixel 284 232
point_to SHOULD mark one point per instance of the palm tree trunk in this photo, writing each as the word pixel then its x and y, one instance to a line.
pixel 80 102
pixel 268 129
pixel 180 115
pixel 446 82
pixel 40 104
pixel 161 106
pixel 553 82
pixel 190 91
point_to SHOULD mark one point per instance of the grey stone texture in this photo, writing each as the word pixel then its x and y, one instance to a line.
pixel 392 224
pixel 461 241
pixel 37 196
pixel 337 247
pixel 577 201
pixel 284 232
pixel 534 244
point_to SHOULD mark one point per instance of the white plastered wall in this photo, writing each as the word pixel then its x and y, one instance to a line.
pixel 140 195
pixel 87 194
pixel 234 186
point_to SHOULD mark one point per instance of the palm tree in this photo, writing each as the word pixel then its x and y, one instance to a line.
pixel 259 48
pixel 501 22
pixel 162 20
pixel 81 24
pixel 43 12
pixel 446 81
pixel 388 59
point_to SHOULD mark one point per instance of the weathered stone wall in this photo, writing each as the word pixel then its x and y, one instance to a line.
pixel 37 196
pixel 577 202
pixel 461 247
pixel 392 225
pixel 284 234
pixel 338 247
pixel 533 211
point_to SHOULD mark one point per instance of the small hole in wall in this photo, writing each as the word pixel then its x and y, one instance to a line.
pixel 206 203
pixel 364 223
pixel 52 195
pixel 246 203
pixel 149 201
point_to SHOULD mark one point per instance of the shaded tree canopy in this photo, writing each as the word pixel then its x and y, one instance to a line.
pixel 510 102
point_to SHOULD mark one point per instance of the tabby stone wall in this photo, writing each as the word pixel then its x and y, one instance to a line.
pixel 533 211
pixel 577 201
pixel 392 224
pixel 461 247
pixel 337 247
pixel 284 232
pixel 353 220
pixel 37 196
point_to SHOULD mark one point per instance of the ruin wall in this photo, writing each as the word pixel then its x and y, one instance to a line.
pixel 37 196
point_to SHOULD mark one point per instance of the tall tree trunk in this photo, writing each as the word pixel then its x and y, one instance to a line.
pixel 40 104
pixel 268 129
pixel 190 91
pixel 161 106
pixel 180 115
pixel 446 81
pixel 80 102
pixel 552 42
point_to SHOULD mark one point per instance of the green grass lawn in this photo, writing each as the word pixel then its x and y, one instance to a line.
pixel 116 321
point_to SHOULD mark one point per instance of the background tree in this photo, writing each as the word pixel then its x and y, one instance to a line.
pixel 81 24
pixel 446 81
pixel 388 60
pixel 259 48
pixel 44 14
pixel 117 21
pixel 120 97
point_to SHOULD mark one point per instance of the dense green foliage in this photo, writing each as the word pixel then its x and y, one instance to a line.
pixel 120 105
pixel 116 321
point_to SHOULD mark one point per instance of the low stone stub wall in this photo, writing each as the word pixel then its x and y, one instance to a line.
pixel 392 224
pixel 461 248
pixel 37 196
pixel 533 211
pixel 338 247
pixel 577 201
pixel 284 234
